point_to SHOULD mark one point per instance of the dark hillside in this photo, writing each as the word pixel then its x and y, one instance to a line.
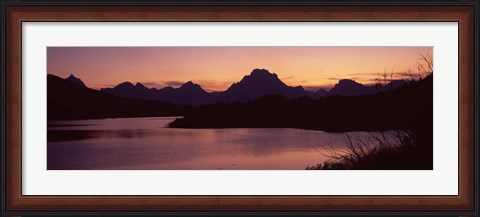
pixel 68 100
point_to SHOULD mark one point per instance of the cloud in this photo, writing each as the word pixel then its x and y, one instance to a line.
pixel 365 73
pixel 406 75
pixel 351 78
pixel 212 85
pixel 151 84
pixel 286 78
pixel 292 81
pixel 334 78
pixel 173 83
pixel 400 74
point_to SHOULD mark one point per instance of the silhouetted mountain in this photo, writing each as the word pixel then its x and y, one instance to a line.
pixel 320 93
pixel 187 94
pixel 68 100
pixel 128 90
pixel 216 94
pixel 75 80
pixel 347 87
pixel 395 84
pixel 260 83
pixel 191 87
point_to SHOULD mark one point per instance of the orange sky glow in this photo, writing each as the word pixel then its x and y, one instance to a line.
pixel 216 68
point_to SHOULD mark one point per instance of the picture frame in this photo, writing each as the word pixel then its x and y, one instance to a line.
pixel 14 203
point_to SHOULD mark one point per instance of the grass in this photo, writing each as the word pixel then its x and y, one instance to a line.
pixel 401 149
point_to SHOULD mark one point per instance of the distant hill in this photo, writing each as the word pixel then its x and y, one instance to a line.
pixel 320 93
pixel 71 100
pixel 347 87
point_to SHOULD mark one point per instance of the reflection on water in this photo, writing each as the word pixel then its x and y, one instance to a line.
pixel 146 143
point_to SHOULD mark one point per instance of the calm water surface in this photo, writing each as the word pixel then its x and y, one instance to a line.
pixel 147 143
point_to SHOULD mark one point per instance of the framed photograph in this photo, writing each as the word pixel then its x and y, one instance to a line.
pixel 231 107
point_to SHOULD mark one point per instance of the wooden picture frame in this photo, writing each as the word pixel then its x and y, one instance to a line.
pixel 15 12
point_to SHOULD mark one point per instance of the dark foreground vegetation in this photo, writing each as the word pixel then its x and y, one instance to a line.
pixel 407 150
pixel 410 148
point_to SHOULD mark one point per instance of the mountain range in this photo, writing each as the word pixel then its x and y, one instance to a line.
pixel 187 94
pixel 259 83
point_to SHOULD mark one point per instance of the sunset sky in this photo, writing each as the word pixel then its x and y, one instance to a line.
pixel 216 68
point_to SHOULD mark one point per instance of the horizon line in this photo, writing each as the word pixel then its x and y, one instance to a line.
pixel 307 88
